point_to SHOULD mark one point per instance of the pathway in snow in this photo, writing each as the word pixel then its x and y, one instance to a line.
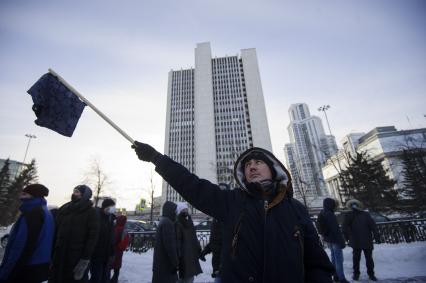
pixel 402 263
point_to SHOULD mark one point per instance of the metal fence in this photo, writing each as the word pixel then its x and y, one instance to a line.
pixel 402 231
pixel 392 232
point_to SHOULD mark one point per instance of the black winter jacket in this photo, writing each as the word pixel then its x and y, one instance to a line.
pixel 165 262
pixel 104 248
pixel 276 244
pixel 189 248
pixel 328 226
pixel 77 229
pixel 359 228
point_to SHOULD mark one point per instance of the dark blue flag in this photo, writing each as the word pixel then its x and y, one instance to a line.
pixel 55 106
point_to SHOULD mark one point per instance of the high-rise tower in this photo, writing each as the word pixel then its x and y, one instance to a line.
pixel 306 154
pixel 215 111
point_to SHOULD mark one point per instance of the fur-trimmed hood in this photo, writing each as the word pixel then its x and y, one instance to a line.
pixel 282 176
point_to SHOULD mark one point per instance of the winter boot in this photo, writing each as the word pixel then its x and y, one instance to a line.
pixel 372 277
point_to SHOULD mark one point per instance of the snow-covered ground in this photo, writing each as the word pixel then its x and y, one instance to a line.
pixel 391 262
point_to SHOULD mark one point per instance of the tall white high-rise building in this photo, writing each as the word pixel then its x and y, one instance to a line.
pixel 215 111
pixel 306 154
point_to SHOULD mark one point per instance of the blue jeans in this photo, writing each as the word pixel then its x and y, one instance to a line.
pixel 217 280
pixel 337 260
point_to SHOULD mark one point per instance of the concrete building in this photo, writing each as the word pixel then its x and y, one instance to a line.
pixel 215 111
pixel 306 154
pixel 381 143
pixel 14 167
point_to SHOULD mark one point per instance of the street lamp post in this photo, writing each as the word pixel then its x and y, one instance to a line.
pixel 29 136
pixel 324 108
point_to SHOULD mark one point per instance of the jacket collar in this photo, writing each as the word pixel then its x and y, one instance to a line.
pixel 29 204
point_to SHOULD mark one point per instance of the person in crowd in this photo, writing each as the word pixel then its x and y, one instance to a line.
pixel 359 229
pixel 121 241
pixel 77 230
pixel 215 243
pixel 165 263
pixel 215 247
pixel 103 254
pixel 27 255
pixel 332 235
pixel 268 235
pixel 188 246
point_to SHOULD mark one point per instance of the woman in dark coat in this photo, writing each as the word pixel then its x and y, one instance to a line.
pixel 268 236
pixel 165 263
pixel 120 244
pixel 189 248
pixel 77 229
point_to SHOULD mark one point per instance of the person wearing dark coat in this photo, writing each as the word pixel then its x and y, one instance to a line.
pixel 27 255
pixel 103 254
pixel 359 229
pixel 121 241
pixel 165 263
pixel 268 235
pixel 77 230
pixel 215 247
pixel 188 246
pixel 332 235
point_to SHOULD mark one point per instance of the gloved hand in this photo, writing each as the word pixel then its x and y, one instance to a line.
pixel 80 268
pixel 202 257
pixel 146 152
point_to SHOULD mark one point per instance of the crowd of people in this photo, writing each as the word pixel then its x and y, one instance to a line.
pixel 63 245
pixel 260 233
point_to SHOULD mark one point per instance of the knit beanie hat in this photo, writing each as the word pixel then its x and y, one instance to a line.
pixel 180 206
pixel 107 202
pixel 86 192
pixel 36 190
pixel 257 155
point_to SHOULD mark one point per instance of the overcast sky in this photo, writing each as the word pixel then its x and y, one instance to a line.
pixel 364 58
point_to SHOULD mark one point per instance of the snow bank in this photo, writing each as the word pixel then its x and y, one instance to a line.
pixel 391 261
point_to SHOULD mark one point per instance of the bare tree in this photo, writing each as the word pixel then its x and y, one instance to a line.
pixel 97 178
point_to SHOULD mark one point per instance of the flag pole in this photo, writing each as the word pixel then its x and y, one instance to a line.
pixel 123 133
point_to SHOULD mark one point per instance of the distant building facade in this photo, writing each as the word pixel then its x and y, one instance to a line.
pixel 215 111
pixel 306 153
pixel 382 143
pixel 14 167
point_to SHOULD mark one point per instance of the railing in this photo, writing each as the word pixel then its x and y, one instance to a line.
pixel 140 242
pixel 391 232
pixel 394 232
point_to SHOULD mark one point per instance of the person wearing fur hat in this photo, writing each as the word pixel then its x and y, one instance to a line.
pixel 103 254
pixel 188 246
pixel 267 235
pixel 77 230
pixel 27 254
pixel 359 229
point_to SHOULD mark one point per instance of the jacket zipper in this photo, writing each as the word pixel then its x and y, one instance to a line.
pixel 298 235
pixel 265 207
